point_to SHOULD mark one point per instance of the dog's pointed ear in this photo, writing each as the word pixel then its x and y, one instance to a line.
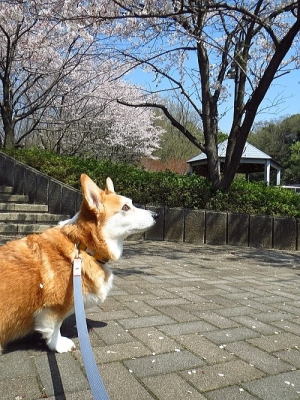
pixel 109 186
pixel 91 193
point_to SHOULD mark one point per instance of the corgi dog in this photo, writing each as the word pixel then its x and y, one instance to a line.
pixel 36 288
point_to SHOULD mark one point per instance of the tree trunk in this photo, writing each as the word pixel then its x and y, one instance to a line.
pixel 7 116
pixel 238 141
pixel 239 133
pixel 213 162
pixel 9 138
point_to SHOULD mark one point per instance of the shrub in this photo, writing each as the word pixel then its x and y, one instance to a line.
pixel 165 188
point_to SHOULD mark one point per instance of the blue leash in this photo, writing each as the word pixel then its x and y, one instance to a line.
pixel 94 378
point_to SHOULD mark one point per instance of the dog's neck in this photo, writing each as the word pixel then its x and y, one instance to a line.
pixel 103 248
pixel 115 248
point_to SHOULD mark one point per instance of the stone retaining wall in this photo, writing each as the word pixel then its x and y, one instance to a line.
pixel 174 224
pixel 219 228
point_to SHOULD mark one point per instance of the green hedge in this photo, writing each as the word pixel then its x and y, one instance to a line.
pixel 165 188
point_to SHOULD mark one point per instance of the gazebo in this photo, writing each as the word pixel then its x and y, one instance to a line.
pixel 253 160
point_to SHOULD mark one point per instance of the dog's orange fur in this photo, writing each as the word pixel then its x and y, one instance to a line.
pixel 36 271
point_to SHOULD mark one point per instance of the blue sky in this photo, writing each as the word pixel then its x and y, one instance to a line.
pixel 285 91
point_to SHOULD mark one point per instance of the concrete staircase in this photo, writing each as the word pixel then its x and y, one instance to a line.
pixel 19 218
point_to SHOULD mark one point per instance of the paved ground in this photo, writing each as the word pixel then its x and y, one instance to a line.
pixel 183 322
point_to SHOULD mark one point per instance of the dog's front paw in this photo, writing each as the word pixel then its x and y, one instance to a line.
pixel 64 345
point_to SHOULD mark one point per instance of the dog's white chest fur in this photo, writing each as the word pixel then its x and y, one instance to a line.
pixel 104 285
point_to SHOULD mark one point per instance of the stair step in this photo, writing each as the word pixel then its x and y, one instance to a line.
pixel 23 207
pixel 16 198
pixel 7 238
pixel 31 217
pixel 6 189
pixel 23 229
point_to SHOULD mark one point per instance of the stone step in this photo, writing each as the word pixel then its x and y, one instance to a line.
pixel 7 238
pixel 13 198
pixel 23 229
pixel 31 217
pixel 6 189
pixel 23 207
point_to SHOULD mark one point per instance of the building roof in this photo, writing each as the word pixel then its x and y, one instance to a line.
pixel 249 151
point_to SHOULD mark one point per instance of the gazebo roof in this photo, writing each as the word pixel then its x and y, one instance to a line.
pixel 249 152
pixel 253 160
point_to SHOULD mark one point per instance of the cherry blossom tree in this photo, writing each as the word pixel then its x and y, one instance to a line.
pixel 88 120
pixel 208 52
pixel 56 90
pixel 36 55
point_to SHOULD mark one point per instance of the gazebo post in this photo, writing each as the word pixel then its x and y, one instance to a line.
pixel 267 172
pixel 278 175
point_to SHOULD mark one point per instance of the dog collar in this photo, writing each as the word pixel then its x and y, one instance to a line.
pixel 82 247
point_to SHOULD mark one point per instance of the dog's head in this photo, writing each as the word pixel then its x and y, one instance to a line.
pixel 119 217
pixel 106 217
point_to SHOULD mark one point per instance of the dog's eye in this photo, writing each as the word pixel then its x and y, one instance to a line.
pixel 125 207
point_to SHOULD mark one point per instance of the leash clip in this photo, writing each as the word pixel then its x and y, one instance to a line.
pixel 77 262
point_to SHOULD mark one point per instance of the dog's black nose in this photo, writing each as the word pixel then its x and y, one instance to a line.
pixel 155 216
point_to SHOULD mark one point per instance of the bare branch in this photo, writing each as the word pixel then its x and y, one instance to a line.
pixel 173 121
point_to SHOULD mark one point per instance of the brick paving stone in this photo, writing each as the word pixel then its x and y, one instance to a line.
pixel 273 316
pixel 85 395
pixel 288 326
pixel 254 323
pixel 205 306
pixel 233 311
pixel 223 336
pixel 171 387
pixel 161 293
pixel 202 347
pixel 292 356
pixel 239 295
pixel 16 365
pixel 193 296
pixel 26 388
pixel 136 297
pixel 271 299
pixel 221 375
pixel 260 359
pixel 278 342
pixel 288 308
pixel 121 384
pixel 140 308
pixel 177 313
pixel 154 320
pixel 113 333
pixel 221 300
pixel 112 315
pixel 288 296
pixel 183 328
pixel 157 341
pixel 59 373
pixel 256 291
pixel 163 363
pixel 285 386
pixel 230 393
pixel 166 302
pixel 256 305
pixel 120 351
pixel 216 319
pixel 296 320
pixel 111 304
